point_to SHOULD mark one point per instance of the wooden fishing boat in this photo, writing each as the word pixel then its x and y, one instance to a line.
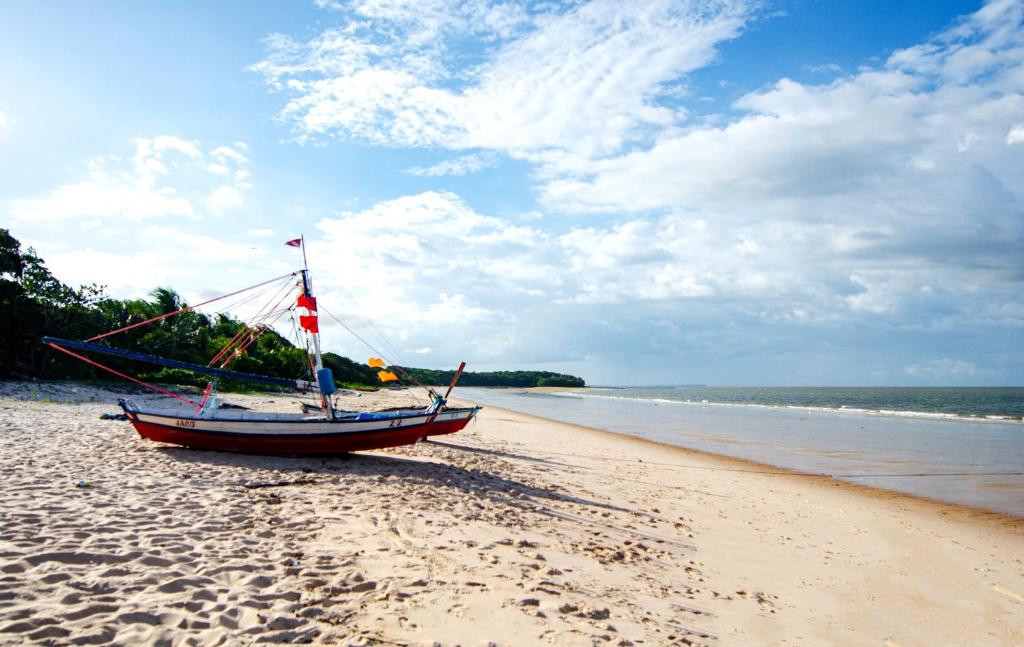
pixel 292 433
pixel 323 430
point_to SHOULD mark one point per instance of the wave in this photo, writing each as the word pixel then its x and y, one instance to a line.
pixel 839 408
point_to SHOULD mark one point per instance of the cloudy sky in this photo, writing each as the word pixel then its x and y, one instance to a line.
pixel 729 192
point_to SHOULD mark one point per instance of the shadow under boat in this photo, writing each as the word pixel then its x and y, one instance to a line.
pixel 496 452
pixel 304 470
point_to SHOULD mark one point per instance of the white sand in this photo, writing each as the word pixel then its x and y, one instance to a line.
pixel 515 531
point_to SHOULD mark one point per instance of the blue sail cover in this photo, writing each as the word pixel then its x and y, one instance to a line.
pixel 173 363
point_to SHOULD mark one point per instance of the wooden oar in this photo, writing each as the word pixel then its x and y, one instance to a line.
pixel 455 379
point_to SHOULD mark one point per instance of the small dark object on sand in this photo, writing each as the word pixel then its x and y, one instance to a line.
pixel 252 485
pixel 113 416
pixel 228 405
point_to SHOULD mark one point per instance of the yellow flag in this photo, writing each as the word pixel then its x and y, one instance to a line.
pixel 387 376
pixel 376 362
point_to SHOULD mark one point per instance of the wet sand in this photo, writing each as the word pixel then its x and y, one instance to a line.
pixel 516 531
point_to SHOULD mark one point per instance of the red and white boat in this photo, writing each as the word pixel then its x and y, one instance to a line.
pixel 254 432
pixel 324 430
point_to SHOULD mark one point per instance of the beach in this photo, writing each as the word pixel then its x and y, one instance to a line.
pixel 518 530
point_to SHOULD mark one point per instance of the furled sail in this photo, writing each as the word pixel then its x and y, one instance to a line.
pixel 173 363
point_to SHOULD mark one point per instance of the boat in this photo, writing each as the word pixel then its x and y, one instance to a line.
pixel 316 430
pixel 252 432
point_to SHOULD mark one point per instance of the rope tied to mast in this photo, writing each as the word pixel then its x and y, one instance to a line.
pixel 189 308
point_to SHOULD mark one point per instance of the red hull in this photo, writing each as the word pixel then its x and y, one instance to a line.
pixel 442 428
pixel 325 444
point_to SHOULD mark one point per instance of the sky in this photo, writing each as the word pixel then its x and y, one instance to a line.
pixel 724 192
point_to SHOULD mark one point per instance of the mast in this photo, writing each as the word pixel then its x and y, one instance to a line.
pixel 307 290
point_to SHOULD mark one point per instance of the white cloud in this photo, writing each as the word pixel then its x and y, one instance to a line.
pixel 167 177
pixel 407 248
pixel 150 154
pixel 225 153
pixel 131 224
pixel 231 161
pixel 433 272
pixel 879 182
pixel 1016 135
pixel 432 264
pixel 553 77
pixel 942 369
pixel 888 198
pixel 132 261
pixel 225 199
pixel 463 165
pixel 824 68
pixel 100 200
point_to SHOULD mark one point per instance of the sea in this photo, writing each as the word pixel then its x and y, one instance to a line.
pixel 957 445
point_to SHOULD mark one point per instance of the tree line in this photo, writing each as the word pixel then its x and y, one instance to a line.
pixel 34 303
pixel 521 379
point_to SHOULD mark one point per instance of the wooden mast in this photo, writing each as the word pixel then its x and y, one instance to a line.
pixel 307 289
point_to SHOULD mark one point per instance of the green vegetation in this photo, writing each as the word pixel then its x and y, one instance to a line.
pixel 496 378
pixel 348 372
pixel 33 303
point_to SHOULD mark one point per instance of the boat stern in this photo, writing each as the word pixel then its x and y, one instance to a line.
pixel 450 421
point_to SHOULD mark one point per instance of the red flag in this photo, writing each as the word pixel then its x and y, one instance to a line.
pixel 309 303
pixel 309 323
pixel 294 243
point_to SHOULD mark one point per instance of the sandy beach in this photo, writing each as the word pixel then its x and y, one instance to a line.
pixel 516 531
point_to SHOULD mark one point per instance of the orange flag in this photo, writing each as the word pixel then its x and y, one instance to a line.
pixel 387 376
pixel 376 362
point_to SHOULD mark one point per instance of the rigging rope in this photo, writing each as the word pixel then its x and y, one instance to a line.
pixel 188 308
pixel 375 351
pixel 252 326
pixel 252 297
pixel 394 351
pixel 120 374
pixel 174 339
pixel 254 334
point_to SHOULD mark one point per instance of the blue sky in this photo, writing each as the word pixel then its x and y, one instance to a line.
pixel 715 191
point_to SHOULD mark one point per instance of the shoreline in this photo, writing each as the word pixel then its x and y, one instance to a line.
pixel 937 506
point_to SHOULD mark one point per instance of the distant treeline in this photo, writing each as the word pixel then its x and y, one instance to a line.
pixel 496 378
pixel 33 304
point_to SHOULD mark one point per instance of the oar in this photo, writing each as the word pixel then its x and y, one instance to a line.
pixel 455 379
pixel 451 386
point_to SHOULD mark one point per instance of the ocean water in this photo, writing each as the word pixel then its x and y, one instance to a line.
pixel 993 403
pixel 960 445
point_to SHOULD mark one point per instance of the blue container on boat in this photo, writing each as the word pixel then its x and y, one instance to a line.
pixel 326 380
